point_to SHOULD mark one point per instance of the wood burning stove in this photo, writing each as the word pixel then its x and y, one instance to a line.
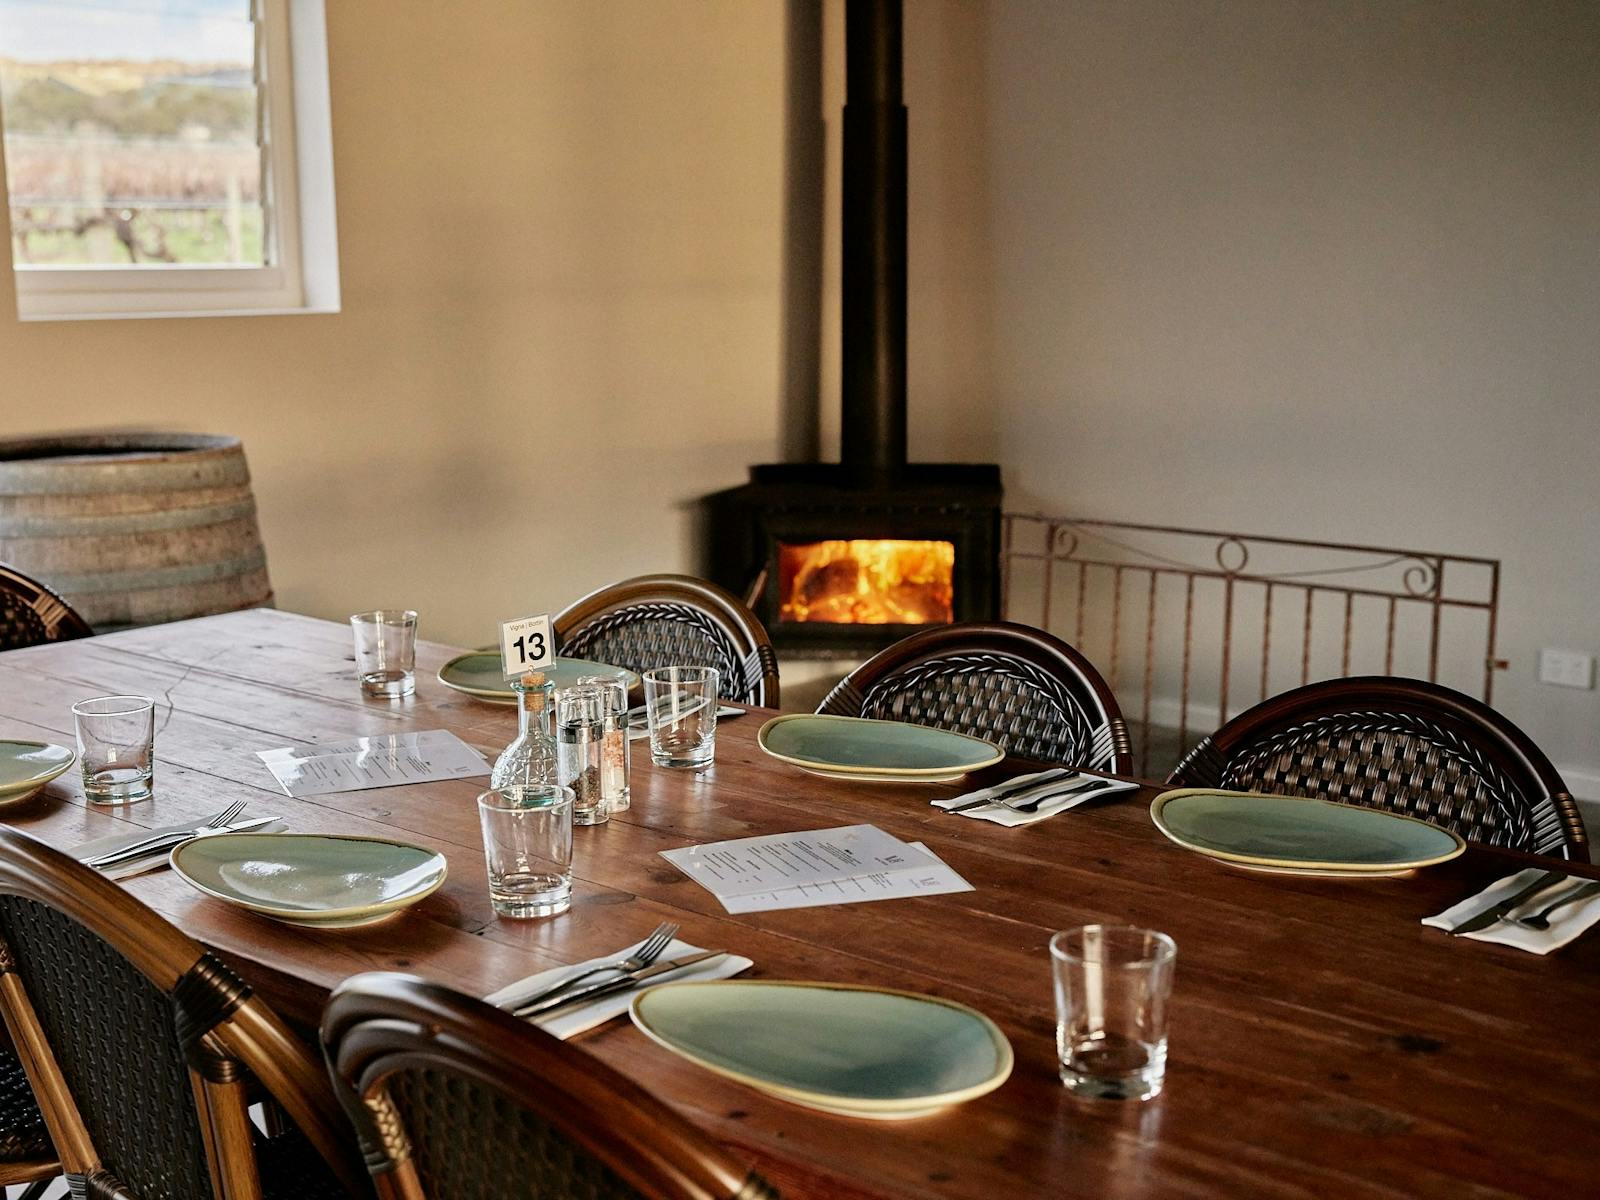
pixel 853 556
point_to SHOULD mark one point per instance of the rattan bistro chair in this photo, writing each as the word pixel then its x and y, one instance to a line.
pixel 1022 688
pixel 145 1050
pixel 456 1100
pixel 674 620
pixel 30 613
pixel 1399 744
pixel 26 1154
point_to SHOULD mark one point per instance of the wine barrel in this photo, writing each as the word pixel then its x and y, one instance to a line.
pixel 134 528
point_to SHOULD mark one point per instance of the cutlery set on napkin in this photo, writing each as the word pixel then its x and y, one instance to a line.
pixel 566 1001
pixel 124 855
pixel 1533 910
pixel 1036 797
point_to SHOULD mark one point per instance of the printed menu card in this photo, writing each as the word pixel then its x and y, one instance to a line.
pixel 822 866
pixel 372 762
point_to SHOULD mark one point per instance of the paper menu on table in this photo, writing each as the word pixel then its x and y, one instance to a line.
pixel 746 866
pixel 385 760
pixel 936 879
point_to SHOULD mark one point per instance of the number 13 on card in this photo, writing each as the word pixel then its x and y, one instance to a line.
pixel 526 645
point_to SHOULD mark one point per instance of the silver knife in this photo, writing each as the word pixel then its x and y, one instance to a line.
pixel 1006 791
pixel 1496 911
pixel 605 987
pixel 117 858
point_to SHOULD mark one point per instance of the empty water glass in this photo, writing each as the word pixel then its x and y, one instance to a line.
pixel 1112 984
pixel 616 756
pixel 527 848
pixel 116 747
pixel 386 652
pixel 680 704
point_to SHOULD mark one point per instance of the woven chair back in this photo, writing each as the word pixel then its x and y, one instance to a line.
pixel 30 613
pixel 432 1078
pixel 674 621
pixel 1403 745
pixel 138 1044
pixel 1021 688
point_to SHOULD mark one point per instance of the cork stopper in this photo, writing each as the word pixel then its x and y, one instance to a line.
pixel 532 679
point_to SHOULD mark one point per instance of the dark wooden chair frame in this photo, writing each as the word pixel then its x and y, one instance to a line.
pixel 718 613
pixel 231 1039
pixel 57 620
pixel 1481 741
pixel 379 1024
pixel 1058 672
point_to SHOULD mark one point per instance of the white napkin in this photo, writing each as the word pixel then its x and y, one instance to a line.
pixel 1566 922
pixel 148 862
pixel 568 1022
pixel 1001 815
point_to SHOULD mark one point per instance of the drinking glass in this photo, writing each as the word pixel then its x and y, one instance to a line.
pixel 1112 983
pixel 580 748
pixel 681 705
pixel 527 847
pixel 116 747
pixel 386 652
pixel 616 756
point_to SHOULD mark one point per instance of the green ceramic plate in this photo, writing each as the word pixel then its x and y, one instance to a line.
pixel 856 1051
pixel 1292 832
pixel 25 767
pixel 477 673
pixel 866 777
pixel 311 879
pixel 854 746
pixel 1313 873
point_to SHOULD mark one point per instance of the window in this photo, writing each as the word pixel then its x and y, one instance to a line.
pixel 167 157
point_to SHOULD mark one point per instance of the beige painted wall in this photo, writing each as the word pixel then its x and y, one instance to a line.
pixel 559 230
pixel 1323 268
pixel 1330 265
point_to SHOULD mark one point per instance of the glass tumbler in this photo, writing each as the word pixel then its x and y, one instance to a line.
pixel 527 848
pixel 386 652
pixel 681 705
pixel 581 715
pixel 1112 983
pixel 116 747
pixel 616 755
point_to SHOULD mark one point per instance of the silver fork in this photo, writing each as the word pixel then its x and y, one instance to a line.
pixel 148 845
pixel 1032 806
pixel 1541 919
pixel 654 946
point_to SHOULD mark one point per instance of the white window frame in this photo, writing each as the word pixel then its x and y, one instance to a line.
pixel 292 59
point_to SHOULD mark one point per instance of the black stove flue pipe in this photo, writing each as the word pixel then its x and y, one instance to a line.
pixel 872 432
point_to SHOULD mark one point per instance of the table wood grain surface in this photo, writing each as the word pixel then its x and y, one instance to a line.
pixel 1323 1042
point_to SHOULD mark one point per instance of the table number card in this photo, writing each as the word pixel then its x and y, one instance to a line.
pixel 526 644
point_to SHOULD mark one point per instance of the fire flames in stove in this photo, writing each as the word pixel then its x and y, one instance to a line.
pixel 864 582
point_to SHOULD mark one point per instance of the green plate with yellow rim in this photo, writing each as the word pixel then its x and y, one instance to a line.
pixel 1300 835
pixel 845 747
pixel 854 1051
pixel 25 767
pixel 314 880
pixel 477 673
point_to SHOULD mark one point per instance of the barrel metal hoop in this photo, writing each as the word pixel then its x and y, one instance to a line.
pixel 16 527
pixel 74 585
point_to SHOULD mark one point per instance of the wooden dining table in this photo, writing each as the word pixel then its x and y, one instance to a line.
pixel 1323 1041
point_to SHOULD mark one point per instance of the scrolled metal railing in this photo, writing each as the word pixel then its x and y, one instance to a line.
pixel 1213 609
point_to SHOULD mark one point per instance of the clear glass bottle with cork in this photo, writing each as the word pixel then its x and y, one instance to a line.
pixel 531 759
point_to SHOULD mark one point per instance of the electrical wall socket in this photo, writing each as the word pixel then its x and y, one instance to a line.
pixel 1566 668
